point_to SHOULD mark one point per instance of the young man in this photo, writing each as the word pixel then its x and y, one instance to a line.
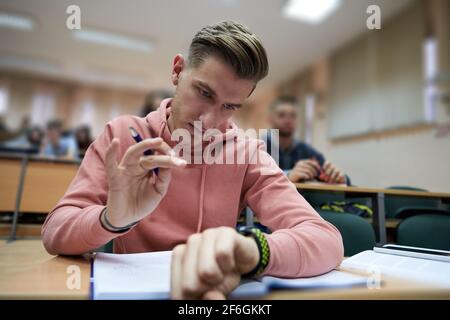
pixel 300 161
pixel 58 146
pixel 193 208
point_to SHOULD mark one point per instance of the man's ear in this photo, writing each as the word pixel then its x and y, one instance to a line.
pixel 177 68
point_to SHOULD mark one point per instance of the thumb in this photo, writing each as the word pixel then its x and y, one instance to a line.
pixel 111 157
pixel 162 180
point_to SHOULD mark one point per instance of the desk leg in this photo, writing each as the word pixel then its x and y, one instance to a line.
pixel 23 169
pixel 378 219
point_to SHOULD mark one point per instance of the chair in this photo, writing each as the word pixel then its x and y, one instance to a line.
pixel 426 230
pixel 107 248
pixel 357 234
pixel 399 207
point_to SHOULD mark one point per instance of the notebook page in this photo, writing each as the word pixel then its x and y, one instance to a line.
pixel 332 279
pixel 414 269
pixel 132 276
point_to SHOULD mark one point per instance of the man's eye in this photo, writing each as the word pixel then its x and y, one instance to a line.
pixel 204 93
pixel 229 107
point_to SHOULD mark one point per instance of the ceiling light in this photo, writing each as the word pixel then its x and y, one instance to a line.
pixel 15 21
pixel 113 39
pixel 310 11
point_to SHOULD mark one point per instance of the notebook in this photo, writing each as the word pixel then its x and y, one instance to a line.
pixel 147 276
pixel 436 273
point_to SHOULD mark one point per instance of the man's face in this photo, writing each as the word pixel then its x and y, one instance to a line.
pixel 210 93
pixel 284 118
pixel 53 135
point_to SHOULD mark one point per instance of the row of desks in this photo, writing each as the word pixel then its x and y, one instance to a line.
pixel 35 185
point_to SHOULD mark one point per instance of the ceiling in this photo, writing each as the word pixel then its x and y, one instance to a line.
pixel 170 24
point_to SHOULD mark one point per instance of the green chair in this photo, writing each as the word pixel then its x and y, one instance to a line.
pixel 426 231
pixel 315 199
pixel 398 207
pixel 357 234
pixel 108 248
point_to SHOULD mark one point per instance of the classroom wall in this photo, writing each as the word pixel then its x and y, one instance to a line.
pixel 74 103
pixel 415 156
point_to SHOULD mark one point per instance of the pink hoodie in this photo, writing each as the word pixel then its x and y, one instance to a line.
pixel 199 197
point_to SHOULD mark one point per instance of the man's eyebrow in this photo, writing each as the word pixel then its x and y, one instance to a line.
pixel 207 87
pixel 213 93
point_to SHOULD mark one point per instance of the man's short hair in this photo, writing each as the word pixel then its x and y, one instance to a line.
pixel 283 100
pixel 235 45
pixel 55 125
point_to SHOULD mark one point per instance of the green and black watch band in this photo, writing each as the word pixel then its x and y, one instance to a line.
pixel 263 248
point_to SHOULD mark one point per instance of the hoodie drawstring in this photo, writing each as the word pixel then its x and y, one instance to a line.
pixel 161 128
pixel 202 185
pixel 202 192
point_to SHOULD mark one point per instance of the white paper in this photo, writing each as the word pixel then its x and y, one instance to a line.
pixel 412 269
pixel 332 279
pixel 132 276
pixel 147 276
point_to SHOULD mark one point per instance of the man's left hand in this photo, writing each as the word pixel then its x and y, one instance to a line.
pixel 210 264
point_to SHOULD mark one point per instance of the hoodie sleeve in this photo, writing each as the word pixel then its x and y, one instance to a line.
pixel 302 244
pixel 73 226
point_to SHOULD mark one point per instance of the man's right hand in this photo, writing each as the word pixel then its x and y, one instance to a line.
pixel 304 170
pixel 134 191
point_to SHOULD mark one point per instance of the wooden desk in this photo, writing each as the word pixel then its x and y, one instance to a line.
pixel 32 184
pixel 27 271
pixel 45 184
pixel 377 198
pixel 10 170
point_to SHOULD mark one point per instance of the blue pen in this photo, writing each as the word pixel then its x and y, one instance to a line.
pixel 136 136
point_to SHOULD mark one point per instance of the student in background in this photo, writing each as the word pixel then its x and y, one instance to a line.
pixel 300 161
pixel 8 135
pixel 56 145
pixel 153 101
pixel 84 139
pixel 35 137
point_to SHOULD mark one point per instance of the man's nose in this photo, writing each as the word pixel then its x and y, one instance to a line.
pixel 211 117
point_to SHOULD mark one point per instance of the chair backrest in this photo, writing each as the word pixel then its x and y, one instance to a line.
pixel 357 234
pixel 426 231
pixel 316 198
pixel 394 205
pixel 108 248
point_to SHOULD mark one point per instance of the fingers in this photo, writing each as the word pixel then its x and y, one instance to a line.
pixel 111 157
pixel 161 161
pixel 208 269
pixel 191 286
pixel 305 174
pixel 175 270
pixel 135 152
pixel 308 165
pixel 224 250
pixel 311 163
pixel 333 172
pixel 205 267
